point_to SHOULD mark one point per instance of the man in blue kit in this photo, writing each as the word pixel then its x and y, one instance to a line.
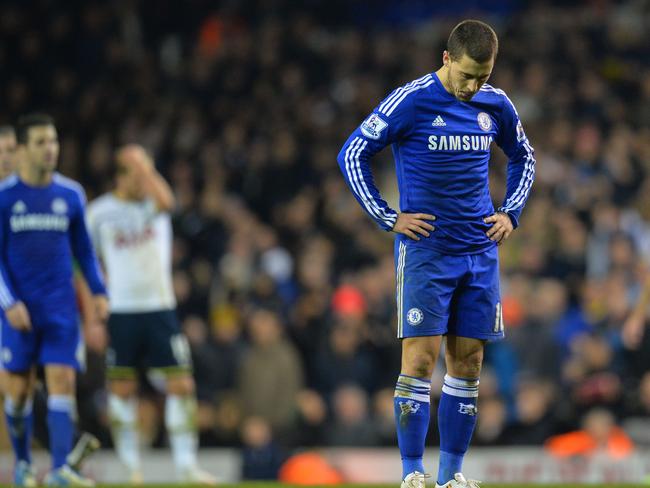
pixel 43 229
pixel 441 127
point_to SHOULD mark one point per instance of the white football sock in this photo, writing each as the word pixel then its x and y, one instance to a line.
pixel 123 416
pixel 180 420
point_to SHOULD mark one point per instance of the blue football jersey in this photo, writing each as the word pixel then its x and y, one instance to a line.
pixel 441 147
pixel 41 230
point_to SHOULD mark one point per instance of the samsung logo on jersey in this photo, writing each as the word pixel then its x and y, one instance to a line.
pixel 22 223
pixel 459 143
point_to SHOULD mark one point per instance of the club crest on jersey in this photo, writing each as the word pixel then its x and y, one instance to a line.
pixel 372 126
pixel 59 206
pixel 484 121
pixel 414 316
pixel 19 207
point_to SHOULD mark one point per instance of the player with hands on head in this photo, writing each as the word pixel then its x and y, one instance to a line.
pixel 132 232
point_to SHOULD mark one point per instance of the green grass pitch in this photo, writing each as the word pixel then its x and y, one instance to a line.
pixel 352 485
pixel 281 485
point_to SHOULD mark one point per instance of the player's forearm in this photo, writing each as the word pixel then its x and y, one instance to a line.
pixel 160 191
pixel 521 174
pixel 355 166
pixel 7 295
pixel 84 296
pixel 86 258
pixel 92 275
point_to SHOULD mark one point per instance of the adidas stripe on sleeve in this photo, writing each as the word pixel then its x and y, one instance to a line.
pixel 521 160
pixel 390 121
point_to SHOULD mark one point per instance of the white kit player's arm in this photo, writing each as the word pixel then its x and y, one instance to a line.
pixel 154 184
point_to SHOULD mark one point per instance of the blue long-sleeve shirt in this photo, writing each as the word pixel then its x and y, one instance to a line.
pixel 41 230
pixel 441 148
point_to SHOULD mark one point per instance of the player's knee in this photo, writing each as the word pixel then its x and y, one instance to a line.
pixel 18 392
pixel 62 386
pixel 183 385
pixel 60 380
pixel 19 400
pixel 419 365
pixel 123 389
pixel 17 386
pixel 468 366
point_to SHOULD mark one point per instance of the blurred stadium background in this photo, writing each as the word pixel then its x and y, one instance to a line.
pixel 285 287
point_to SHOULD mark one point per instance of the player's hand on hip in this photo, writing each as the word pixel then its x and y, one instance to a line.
pixel 501 227
pixel 101 307
pixel 18 317
pixel 414 225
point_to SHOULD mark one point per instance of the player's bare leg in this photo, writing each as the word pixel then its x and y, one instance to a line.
pixel 19 387
pixel 123 413
pixel 180 421
pixel 419 355
pixel 61 410
pixel 412 405
pixel 457 408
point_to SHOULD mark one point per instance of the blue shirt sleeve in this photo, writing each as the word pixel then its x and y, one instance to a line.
pixel 389 122
pixel 7 293
pixel 83 250
pixel 521 161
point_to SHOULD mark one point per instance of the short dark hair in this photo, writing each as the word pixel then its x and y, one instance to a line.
pixel 26 122
pixel 7 130
pixel 474 38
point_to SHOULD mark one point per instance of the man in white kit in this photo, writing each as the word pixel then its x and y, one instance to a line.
pixel 132 233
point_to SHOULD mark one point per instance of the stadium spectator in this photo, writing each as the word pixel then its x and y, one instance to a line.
pixel 270 375
pixel 599 434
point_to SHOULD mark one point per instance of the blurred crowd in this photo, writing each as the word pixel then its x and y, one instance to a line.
pixel 285 287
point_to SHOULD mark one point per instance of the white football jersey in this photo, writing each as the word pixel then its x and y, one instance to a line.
pixel 134 241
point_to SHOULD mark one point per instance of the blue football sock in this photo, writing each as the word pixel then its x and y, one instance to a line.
pixel 456 421
pixel 19 426
pixel 412 407
pixel 60 409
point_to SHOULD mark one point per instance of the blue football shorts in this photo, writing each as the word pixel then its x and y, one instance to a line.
pixel 47 343
pixel 439 294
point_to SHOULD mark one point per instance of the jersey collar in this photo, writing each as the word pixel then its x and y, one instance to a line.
pixel 441 88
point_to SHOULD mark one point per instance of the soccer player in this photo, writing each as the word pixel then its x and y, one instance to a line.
pixel 441 127
pixel 131 230
pixel 43 229
pixel 86 443
pixel 7 151
pixel 7 165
